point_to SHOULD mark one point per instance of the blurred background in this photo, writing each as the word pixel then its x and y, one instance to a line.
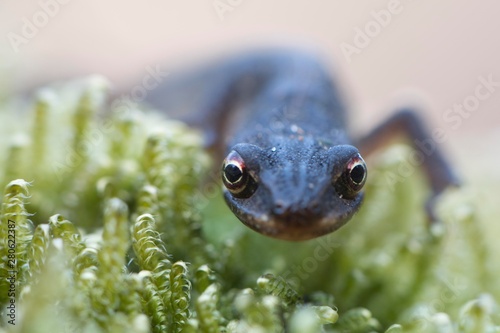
pixel 441 54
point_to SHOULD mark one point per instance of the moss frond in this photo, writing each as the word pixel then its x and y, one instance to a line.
pixel 147 244
pixel 181 295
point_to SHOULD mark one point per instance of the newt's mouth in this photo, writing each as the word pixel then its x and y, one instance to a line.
pixel 299 227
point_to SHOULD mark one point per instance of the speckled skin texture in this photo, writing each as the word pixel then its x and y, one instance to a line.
pixel 294 142
pixel 282 113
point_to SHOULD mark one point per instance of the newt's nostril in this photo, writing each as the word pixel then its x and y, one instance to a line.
pixel 280 208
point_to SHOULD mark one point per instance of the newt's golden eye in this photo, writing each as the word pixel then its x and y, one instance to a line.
pixel 353 178
pixel 236 177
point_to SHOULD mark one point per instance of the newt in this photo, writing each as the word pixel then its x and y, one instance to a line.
pixel 291 170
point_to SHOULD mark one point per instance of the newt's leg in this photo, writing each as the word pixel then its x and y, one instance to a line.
pixel 437 169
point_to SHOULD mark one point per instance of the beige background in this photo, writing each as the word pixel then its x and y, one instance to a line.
pixel 434 49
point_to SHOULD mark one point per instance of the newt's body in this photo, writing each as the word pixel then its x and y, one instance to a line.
pixel 291 171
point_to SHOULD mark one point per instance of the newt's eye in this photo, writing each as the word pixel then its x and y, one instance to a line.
pixel 353 178
pixel 236 177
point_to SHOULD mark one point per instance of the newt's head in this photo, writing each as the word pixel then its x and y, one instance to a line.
pixel 294 196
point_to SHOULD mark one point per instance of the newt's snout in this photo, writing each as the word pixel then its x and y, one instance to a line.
pixel 290 213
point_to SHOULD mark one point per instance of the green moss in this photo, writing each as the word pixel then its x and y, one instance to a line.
pixel 130 236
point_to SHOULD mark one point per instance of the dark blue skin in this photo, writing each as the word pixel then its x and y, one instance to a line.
pixel 295 145
pixel 279 119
